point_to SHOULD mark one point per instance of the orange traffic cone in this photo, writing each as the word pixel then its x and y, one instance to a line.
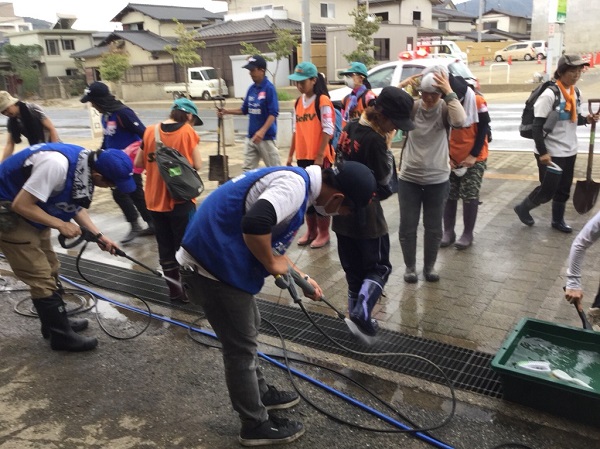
pixel 509 60
pixel 592 60
pixel 482 61
pixel 597 61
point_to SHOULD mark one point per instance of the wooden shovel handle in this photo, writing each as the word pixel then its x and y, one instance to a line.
pixel 591 103
pixel 593 111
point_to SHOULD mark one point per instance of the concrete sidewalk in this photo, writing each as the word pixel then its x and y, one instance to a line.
pixel 162 390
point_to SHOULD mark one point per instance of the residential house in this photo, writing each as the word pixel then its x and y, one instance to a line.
pixel 415 12
pixel 57 47
pixel 9 23
pixel 159 19
pixel 447 18
pixel 147 30
pixel 322 12
pixel 497 20
pixel 401 23
pixel 223 40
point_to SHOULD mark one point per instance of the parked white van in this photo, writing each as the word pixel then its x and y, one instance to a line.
pixel 540 48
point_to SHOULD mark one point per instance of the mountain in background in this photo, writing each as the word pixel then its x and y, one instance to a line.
pixel 517 7
pixel 38 24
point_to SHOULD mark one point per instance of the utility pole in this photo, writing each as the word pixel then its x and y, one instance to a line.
pixel 480 23
pixel 306 32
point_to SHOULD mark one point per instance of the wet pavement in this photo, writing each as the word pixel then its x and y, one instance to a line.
pixel 163 390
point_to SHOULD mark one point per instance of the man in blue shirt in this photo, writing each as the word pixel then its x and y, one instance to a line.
pixel 122 127
pixel 262 106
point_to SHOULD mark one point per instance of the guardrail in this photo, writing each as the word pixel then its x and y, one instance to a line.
pixel 500 64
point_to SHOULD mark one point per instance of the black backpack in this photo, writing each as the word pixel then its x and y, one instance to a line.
pixel 526 126
pixel 182 180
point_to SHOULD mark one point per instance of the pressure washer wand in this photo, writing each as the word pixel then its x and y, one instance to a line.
pixel 308 288
pixel 88 236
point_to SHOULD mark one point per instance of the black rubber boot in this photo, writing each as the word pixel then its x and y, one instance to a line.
pixel 449 222
pixel 558 217
pixel 409 253
pixel 470 209
pixel 522 210
pixel 176 292
pixel 77 324
pixel 53 315
pixel 431 245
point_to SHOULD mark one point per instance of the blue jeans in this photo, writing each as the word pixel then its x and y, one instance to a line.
pixel 433 199
pixel 235 318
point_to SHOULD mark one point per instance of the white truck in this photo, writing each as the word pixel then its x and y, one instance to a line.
pixel 441 48
pixel 203 82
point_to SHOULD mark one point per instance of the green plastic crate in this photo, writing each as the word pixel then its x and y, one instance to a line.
pixel 562 346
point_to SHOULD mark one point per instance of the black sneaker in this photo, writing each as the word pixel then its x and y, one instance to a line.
pixel 274 399
pixel 273 431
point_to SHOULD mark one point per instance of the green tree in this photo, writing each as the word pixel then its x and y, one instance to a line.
pixel 113 66
pixel 185 53
pixel 22 60
pixel 365 26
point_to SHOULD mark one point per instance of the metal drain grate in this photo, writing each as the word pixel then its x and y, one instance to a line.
pixel 468 370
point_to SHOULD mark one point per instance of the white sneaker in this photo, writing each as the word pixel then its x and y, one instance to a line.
pixel 593 316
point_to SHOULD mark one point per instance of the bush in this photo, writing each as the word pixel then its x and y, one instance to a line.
pixel 282 95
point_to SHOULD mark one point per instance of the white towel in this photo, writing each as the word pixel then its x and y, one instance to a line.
pixel 469 104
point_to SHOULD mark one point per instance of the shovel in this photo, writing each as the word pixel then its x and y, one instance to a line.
pixel 218 167
pixel 586 192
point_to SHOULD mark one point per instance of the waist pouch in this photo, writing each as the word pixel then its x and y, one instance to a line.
pixel 8 219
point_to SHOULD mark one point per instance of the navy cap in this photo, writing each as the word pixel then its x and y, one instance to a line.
pixel 256 62
pixel 95 90
pixel 356 182
pixel 116 166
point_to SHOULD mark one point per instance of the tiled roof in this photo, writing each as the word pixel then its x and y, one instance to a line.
pixel 266 23
pixel 452 13
pixel 168 13
pixel 146 40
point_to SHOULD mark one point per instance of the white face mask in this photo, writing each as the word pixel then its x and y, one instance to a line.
pixel 349 81
pixel 321 209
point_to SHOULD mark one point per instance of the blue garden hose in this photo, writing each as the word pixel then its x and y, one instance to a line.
pixel 426 438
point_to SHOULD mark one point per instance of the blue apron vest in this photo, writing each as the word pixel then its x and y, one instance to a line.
pixel 214 235
pixel 13 176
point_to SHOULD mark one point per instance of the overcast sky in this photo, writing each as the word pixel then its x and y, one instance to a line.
pixel 96 14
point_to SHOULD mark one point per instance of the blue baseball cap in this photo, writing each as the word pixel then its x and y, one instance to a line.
pixel 116 166
pixel 186 105
pixel 304 71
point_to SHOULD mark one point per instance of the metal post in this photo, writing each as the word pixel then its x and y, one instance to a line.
pixel 480 21
pixel 306 32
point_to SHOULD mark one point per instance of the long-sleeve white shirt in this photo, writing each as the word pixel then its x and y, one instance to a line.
pixel 586 237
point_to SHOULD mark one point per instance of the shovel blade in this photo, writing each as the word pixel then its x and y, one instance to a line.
pixel 585 196
pixel 217 165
